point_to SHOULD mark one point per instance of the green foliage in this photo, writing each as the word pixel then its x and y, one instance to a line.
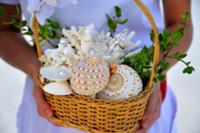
pixel 114 21
pixel 2 11
pixel 142 62
pixel 15 18
pixel 50 30
pixel 189 69
pixel 118 11
pixel 185 17
pixel 178 56
pixel 177 36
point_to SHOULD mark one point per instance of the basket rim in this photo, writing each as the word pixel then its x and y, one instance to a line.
pixel 142 94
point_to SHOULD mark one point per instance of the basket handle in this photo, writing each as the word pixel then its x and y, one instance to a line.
pixel 156 39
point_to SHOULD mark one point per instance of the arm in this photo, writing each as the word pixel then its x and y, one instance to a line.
pixel 172 13
pixel 18 53
pixel 13 48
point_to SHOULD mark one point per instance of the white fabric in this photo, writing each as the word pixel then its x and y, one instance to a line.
pixel 45 8
pixel 84 13
pixel 9 1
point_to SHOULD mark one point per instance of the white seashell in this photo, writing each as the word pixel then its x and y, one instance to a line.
pixel 68 51
pixel 52 73
pixel 63 41
pixel 58 88
pixel 85 47
pixel 124 83
pixel 89 76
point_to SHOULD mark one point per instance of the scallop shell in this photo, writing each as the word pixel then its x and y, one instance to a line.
pixel 123 84
pixel 52 73
pixel 89 76
pixel 58 88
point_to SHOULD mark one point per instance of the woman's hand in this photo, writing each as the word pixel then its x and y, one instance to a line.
pixel 152 112
pixel 43 108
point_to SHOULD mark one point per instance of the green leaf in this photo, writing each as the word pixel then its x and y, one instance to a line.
pixel 28 33
pixel 152 35
pixel 164 65
pixel 188 70
pixel 160 77
pixel 178 56
pixel 20 25
pixel 118 11
pixel 185 16
pixel 53 24
pixel 2 11
pixel 24 23
pixel 177 36
pixel 123 21
pixel 111 23
pixel 188 63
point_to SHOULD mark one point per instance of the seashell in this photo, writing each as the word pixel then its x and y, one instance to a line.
pixel 52 73
pixel 124 83
pixel 89 76
pixel 68 51
pixel 58 88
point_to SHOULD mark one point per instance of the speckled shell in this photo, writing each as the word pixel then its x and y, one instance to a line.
pixel 123 84
pixel 89 76
pixel 58 88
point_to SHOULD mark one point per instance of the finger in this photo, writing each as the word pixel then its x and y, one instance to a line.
pixel 44 109
pixel 141 130
pixel 152 112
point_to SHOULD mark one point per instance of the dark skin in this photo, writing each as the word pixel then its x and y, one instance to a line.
pixel 25 58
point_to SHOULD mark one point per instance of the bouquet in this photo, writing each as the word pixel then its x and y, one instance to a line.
pixel 101 81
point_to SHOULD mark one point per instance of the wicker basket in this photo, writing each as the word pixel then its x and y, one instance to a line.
pixel 99 115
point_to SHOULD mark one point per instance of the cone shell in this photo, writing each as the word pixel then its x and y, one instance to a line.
pixel 58 88
pixel 52 73
pixel 89 76
pixel 124 83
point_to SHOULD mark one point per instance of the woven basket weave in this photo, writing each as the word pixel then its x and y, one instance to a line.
pixel 100 115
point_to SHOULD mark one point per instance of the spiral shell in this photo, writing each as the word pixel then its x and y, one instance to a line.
pixel 89 76
pixel 123 84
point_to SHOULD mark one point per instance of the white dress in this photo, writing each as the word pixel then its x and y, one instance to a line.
pixel 84 13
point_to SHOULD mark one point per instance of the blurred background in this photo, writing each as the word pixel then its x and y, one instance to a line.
pixel 186 88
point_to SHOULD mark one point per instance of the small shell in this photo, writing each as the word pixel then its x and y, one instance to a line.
pixel 58 88
pixel 123 84
pixel 52 73
pixel 89 76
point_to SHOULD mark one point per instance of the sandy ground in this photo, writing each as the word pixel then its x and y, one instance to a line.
pixel 185 87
